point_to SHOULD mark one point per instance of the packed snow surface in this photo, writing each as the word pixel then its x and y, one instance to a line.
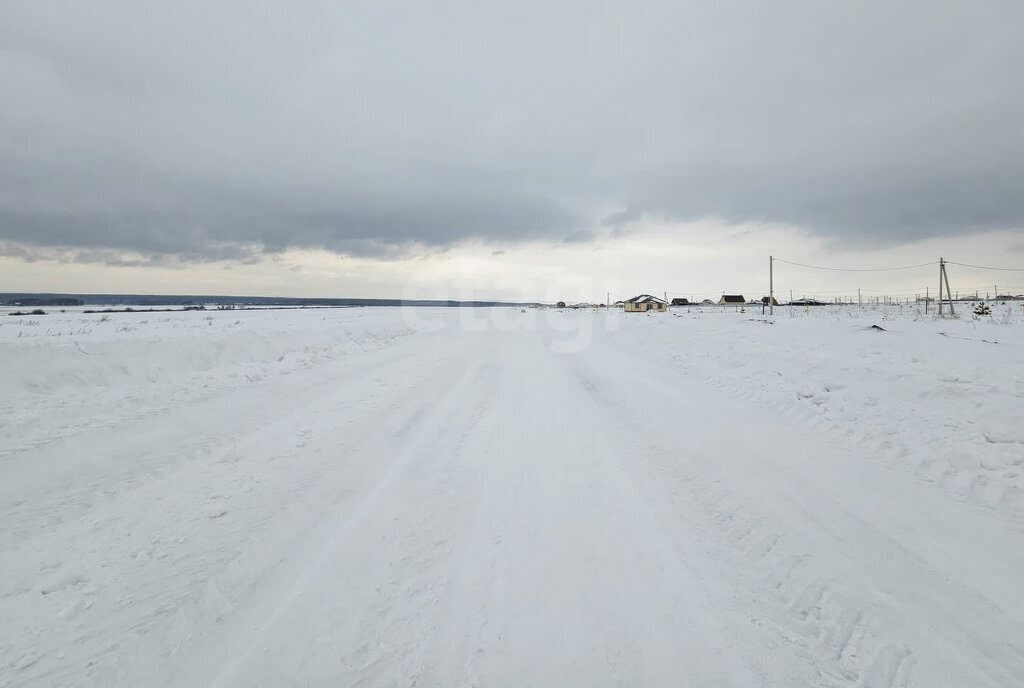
pixel 508 497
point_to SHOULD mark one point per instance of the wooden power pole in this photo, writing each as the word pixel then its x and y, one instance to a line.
pixel 945 278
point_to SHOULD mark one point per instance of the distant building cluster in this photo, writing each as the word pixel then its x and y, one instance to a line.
pixel 643 303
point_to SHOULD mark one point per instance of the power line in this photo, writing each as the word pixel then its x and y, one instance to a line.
pixel 980 267
pixel 852 290
pixel 990 286
pixel 819 267
pixel 902 290
pixel 905 289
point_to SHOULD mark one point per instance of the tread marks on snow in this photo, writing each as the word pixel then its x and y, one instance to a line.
pixel 809 604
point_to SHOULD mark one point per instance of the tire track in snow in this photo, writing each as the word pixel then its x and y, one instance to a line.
pixel 413 603
pixel 188 537
pixel 857 576
pixel 305 570
pixel 583 588
pixel 810 605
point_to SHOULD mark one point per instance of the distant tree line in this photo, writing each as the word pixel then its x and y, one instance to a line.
pixel 30 301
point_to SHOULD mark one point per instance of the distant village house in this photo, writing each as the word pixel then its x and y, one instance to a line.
pixel 644 303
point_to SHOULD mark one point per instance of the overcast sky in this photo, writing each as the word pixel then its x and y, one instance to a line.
pixel 331 148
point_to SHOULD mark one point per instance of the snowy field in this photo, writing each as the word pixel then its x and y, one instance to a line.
pixel 478 497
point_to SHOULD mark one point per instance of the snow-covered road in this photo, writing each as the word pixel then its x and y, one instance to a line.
pixel 373 498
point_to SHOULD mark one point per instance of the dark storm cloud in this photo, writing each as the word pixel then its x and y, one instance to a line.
pixel 203 228
pixel 226 133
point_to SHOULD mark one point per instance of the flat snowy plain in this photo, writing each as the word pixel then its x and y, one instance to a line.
pixel 491 497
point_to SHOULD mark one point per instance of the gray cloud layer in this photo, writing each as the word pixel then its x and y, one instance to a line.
pixel 177 129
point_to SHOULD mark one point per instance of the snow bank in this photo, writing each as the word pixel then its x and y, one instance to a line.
pixel 937 397
pixel 68 370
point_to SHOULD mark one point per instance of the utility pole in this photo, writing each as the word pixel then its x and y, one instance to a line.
pixel 771 285
pixel 926 300
pixel 940 286
pixel 945 276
